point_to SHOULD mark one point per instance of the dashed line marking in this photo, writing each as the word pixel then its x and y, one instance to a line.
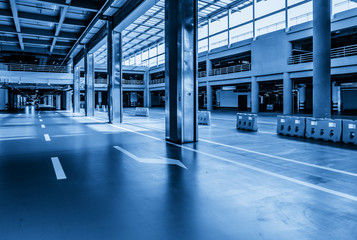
pixel 58 168
pixel 47 137
pixel 43 126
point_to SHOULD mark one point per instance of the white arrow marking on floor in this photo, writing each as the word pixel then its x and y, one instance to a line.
pixel 43 126
pixel 159 160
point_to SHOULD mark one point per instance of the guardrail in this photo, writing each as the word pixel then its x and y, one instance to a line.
pixel 335 53
pixel 157 81
pixel 231 69
pixel 37 68
pixel 126 82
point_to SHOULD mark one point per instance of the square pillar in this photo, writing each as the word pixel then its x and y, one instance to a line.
pixel 89 86
pixel 114 61
pixel 147 96
pixel 287 94
pixel 76 89
pixel 181 83
pixel 322 59
pixel 255 95
pixel 209 97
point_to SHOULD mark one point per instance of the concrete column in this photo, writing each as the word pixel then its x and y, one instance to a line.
pixel 209 97
pixel 76 89
pixel 58 102
pixel 255 95
pixel 181 83
pixel 89 86
pixel 208 66
pixel 68 100
pixel 322 61
pixel 147 97
pixel 287 94
pixel 114 61
pixel 50 100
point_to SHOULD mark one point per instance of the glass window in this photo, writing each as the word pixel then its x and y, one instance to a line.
pixel 218 24
pixel 161 59
pixel 265 7
pixel 300 14
pixel 161 48
pixel 342 5
pixel 241 33
pixel 132 61
pixel 270 24
pixel 203 31
pixel 153 62
pixel 219 40
pixel 203 45
pixel 153 52
pixel 292 2
pixel 127 63
pixel 138 59
pixel 241 15
pixel 145 54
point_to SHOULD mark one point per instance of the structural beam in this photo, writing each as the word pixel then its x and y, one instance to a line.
pixel 89 86
pixel 181 71
pixel 322 59
pixel 17 22
pixel 59 25
pixel 114 61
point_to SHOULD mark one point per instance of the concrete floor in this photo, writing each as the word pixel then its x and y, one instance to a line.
pixel 124 181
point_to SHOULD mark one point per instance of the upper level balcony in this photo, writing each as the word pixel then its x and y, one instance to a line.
pixel 34 68
pixel 340 52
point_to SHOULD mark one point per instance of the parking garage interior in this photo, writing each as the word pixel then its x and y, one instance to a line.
pixel 120 119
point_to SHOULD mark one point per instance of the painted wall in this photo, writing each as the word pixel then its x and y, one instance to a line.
pixel 230 98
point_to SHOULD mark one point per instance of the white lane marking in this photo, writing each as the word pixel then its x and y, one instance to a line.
pixel 15 138
pixel 306 184
pixel 43 126
pixel 272 133
pixel 47 137
pixel 41 120
pixel 280 158
pixel 39 116
pixel 159 160
pixel 58 168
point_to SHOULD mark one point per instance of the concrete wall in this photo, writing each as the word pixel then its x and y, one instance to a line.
pixel 270 53
pixel 3 98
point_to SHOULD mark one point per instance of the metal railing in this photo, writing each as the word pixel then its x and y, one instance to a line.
pixel 340 52
pixel 133 82
pixel 231 69
pixel 126 82
pixel 37 68
pixel 202 74
pixel 157 81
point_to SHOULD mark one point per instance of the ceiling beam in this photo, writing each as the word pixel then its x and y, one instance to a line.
pixel 31 50
pixel 17 22
pixel 38 32
pixel 82 5
pixel 59 25
pixel 28 41
pixel 43 18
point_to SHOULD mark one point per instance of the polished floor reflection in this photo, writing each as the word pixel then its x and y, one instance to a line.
pixel 65 176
